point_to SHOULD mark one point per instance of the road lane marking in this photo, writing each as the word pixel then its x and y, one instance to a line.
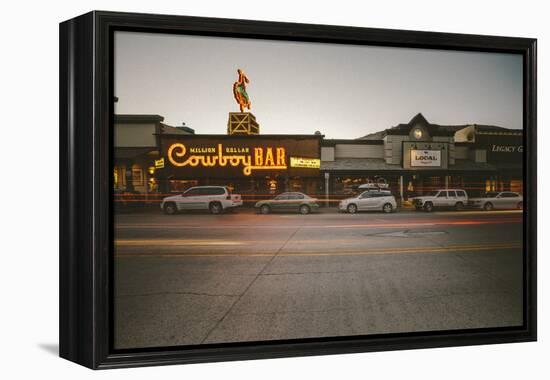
pixel 174 242
pixel 208 243
pixel 374 251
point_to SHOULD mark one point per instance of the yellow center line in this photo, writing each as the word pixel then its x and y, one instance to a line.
pixel 175 242
pixel 210 242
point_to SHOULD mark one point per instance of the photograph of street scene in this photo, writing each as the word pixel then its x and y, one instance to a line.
pixel 275 190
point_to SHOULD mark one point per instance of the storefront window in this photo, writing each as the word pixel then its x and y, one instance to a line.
pixel 137 175
pixel 179 186
pixel 115 177
pixel 516 186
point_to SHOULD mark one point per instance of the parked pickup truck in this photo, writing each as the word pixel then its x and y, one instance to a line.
pixel 449 198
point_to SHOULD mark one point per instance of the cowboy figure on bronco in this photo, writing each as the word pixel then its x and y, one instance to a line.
pixel 239 91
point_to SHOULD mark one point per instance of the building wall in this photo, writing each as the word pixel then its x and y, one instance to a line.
pixel 327 153
pixel 358 151
pixel 478 155
pixel 134 135
pixel 393 149
pixel 461 152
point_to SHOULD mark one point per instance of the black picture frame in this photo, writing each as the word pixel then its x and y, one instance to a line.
pixel 86 109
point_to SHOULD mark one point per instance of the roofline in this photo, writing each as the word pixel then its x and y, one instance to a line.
pixel 229 137
pixel 507 132
pixel 138 118
pixel 332 142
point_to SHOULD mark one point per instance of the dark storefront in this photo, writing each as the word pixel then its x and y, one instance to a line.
pixel 417 157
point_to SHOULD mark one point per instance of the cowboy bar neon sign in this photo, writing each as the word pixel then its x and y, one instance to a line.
pixel 260 158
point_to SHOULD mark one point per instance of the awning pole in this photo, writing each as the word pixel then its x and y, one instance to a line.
pixel 401 188
pixel 327 176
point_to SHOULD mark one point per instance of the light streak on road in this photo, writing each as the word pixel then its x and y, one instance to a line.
pixel 408 224
pixel 369 251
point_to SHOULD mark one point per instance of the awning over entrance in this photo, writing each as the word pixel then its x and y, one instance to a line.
pixel 358 164
pixel 380 165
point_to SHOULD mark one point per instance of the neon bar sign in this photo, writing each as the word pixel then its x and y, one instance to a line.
pixel 257 158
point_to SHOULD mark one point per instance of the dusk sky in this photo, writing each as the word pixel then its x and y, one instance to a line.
pixel 344 91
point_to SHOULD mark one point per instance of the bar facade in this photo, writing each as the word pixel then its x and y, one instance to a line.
pixel 153 160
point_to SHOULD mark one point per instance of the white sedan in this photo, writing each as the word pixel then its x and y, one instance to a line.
pixel 494 200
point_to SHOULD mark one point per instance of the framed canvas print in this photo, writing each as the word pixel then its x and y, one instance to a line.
pixel 236 189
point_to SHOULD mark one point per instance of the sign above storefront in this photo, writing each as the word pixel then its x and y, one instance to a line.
pixel 507 148
pixel 301 162
pixel 425 158
pixel 231 157
pixel 220 155
pixel 159 164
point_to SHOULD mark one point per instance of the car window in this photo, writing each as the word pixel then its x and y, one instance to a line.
pixel 298 196
pixel 193 191
pixel 365 194
pixel 282 197
pixel 452 193
pixel 217 191
pixel 508 195
pixel 461 193
pixel 442 194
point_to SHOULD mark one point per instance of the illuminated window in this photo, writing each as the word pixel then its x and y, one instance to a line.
pixel 137 176
pixel 516 186
pixel 115 177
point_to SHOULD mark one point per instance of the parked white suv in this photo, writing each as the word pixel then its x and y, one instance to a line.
pixel 369 201
pixel 216 199
pixel 454 198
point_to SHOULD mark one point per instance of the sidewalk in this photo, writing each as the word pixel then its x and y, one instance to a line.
pixel 154 209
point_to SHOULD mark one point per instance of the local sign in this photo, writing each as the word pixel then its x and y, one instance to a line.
pixel 426 158
pixel 301 162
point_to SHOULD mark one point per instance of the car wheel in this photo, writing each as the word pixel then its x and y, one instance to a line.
pixel 387 208
pixel 304 209
pixel 459 206
pixel 352 209
pixel 265 209
pixel 488 206
pixel 520 206
pixel 216 208
pixel 170 208
pixel 429 207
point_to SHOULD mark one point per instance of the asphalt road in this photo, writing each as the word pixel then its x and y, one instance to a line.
pixel 197 278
